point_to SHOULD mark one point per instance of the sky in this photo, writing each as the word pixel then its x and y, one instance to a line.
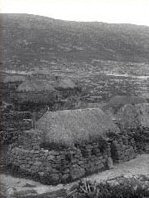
pixel 111 11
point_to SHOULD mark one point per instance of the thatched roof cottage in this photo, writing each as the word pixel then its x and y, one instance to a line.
pixel 134 116
pixel 70 144
pixel 119 101
pixel 66 85
pixel 36 92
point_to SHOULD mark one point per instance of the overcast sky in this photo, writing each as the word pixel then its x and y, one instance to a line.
pixel 112 11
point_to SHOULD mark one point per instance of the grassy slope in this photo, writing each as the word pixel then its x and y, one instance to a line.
pixel 69 49
pixel 31 40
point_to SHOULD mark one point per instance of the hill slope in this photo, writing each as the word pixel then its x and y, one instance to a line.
pixel 30 40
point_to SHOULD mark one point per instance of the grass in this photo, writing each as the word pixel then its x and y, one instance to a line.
pixel 119 187
pixel 46 51
pixel 126 188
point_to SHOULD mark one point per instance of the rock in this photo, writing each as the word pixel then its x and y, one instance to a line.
pixel 76 172
pixel 54 178
pixel 50 157
pixel 65 178
pixel 109 163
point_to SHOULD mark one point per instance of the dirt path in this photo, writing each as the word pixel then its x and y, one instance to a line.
pixel 138 166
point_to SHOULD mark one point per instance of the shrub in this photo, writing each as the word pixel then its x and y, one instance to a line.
pixel 9 137
pixel 127 188
pixel 140 138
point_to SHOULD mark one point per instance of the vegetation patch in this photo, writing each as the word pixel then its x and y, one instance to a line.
pixel 118 188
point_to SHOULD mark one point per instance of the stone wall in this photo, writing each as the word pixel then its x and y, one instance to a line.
pixel 13 124
pixel 16 125
pixel 10 133
pixel 16 121
pixel 29 140
pixel 123 147
pixel 51 166
pixel 141 138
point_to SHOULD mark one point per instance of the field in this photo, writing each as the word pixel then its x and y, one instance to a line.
pixel 99 81
pixel 106 59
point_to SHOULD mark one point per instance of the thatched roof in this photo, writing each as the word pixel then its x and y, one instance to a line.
pixel 74 126
pixel 127 116
pixel 84 105
pixel 35 86
pixel 64 83
pixel 117 102
pixel 122 100
pixel 134 116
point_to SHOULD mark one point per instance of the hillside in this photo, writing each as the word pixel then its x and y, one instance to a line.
pixel 34 41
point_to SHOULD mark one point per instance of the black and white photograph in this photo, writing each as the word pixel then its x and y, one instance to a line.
pixel 74 98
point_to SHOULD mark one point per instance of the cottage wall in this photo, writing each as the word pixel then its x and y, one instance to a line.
pixel 141 138
pixel 123 147
pixel 68 164
pixel 13 124
pixel 52 167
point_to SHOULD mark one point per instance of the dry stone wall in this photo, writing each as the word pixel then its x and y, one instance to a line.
pixel 29 140
pixel 13 124
pixel 123 147
pixel 52 167
pixel 67 164
pixel 141 138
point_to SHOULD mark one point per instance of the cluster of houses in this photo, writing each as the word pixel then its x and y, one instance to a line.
pixel 25 99
pixel 27 93
pixel 61 145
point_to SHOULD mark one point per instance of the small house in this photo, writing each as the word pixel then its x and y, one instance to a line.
pixel 35 93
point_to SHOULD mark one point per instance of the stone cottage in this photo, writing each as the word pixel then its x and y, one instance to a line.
pixel 67 145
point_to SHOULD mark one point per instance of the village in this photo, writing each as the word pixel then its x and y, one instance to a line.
pixel 74 106
pixel 50 136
